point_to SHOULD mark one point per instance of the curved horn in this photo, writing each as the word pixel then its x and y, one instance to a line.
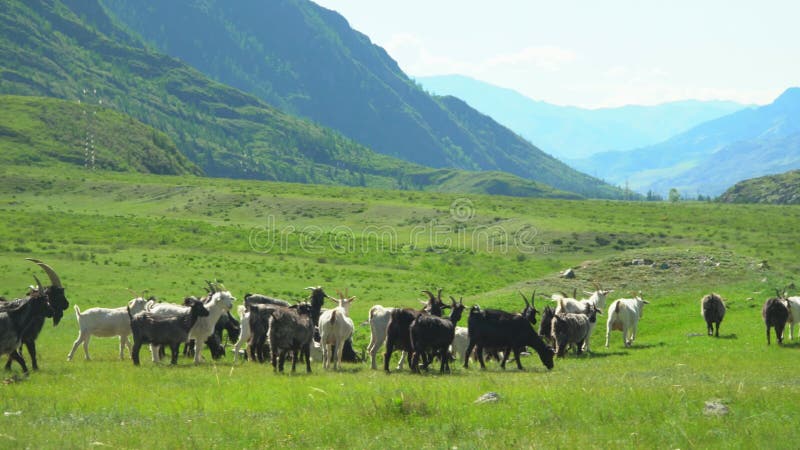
pixel 526 300
pixel 54 280
pixel 39 284
pixel 211 287
pixel 430 294
pixel 439 295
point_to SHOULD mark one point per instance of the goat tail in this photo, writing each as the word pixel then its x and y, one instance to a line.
pixel 333 317
pixel 241 310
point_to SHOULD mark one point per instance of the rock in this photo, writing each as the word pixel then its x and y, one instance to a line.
pixel 715 408
pixel 568 274
pixel 664 266
pixel 489 397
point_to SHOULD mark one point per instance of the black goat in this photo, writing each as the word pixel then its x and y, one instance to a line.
pixel 259 328
pixel 775 314
pixel 149 328
pixel 572 328
pixel 58 302
pixel 712 307
pixel 500 329
pixel 16 320
pixel 291 329
pixel 398 334
pixel 434 334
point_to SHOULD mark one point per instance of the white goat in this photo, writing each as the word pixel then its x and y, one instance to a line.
pixel 573 306
pixel 624 315
pixel 378 321
pixel 335 327
pixel 105 322
pixel 244 333
pixel 794 314
pixel 460 343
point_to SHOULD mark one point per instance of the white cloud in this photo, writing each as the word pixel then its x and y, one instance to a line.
pixel 545 57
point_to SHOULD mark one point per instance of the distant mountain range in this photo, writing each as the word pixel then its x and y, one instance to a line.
pixel 569 132
pixel 711 156
pixel 781 189
pixel 73 50
pixel 307 60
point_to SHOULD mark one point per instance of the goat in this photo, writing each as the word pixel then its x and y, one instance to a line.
pixel 335 327
pixel 434 334
pixel 317 299
pixel 624 315
pixel 775 314
pixel 105 322
pixel 167 330
pixel 291 329
pixel 244 330
pixel 226 322
pixel 397 330
pixel 258 299
pixel 794 314
pixel 712 308
pixel 492 328
pixel 572 328
pixel 16 320
pixel 58 302
pixel 219 302
pixel 546 325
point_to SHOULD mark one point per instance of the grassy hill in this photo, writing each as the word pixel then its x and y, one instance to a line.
pixel 781 189
pixel 307 60
pixel 48 49
pixel 105 232
pixel 42 131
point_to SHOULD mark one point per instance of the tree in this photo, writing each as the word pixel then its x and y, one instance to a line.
pixel 674 195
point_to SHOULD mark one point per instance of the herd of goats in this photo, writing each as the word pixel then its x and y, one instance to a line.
pixel 276 330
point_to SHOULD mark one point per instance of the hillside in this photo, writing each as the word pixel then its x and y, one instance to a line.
pixel 781 189
pixel 307 60
pixel 40 131
pixel 660 166
pixel 48 49
pixel 569 132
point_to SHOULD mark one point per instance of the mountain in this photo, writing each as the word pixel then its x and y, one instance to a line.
pixel 73 50
pixel 35 131
pixel 659 167
pixel 783 189
pixel 569 132
pixel 307 60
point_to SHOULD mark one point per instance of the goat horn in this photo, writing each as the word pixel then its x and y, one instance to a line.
pixel 39 284
pixel 439 294
pixel 430 294
pixel 523 297
pixel 54 280
pixel 210 287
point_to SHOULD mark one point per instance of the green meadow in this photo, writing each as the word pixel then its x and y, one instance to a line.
pixel 106 233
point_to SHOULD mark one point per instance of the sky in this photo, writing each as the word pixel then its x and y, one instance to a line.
pixel 593 53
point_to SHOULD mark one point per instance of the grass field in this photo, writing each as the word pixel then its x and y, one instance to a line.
pixel 107 232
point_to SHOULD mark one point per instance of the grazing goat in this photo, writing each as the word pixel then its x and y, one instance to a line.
pixel 775 314
pixel 291 329
pixel 105 322
pixel 167 330
pixel 492 328
pixel 712 308
pixel 573 328
pixel 624 315
pixel 434 334
pixel 57 301
pixel 397 330
pixel 16 320
pixel 335 327
pixel 244 330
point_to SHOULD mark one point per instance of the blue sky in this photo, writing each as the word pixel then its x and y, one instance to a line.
pixel 594 53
